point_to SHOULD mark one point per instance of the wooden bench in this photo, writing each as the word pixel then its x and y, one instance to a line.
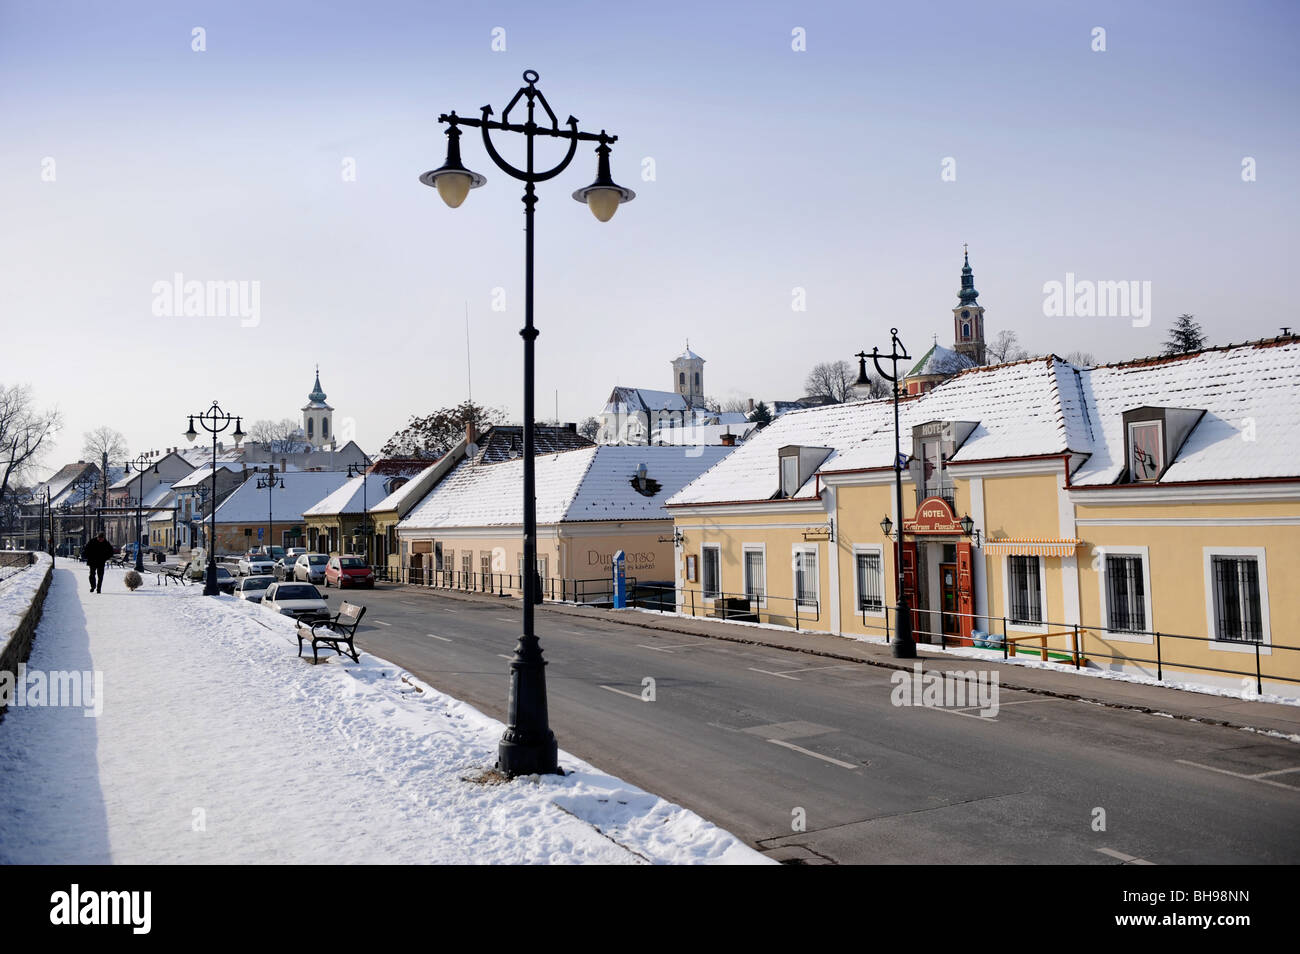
pixel 172 574
pixel 339 628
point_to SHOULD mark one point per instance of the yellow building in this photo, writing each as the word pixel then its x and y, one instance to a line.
pixel 591 503
pixel 1139 516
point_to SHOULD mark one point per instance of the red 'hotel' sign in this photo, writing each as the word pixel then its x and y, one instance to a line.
pixel 933 516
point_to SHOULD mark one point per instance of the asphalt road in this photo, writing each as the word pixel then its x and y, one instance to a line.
pixel 755 739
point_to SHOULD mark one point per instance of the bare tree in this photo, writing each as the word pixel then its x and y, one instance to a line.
pixel 1006 347
pixel 590 428
pixel 23 432
pixel 1082 359
pixel 279 436
pixel 831 379
pixel 736 404
pixel 104 441
pixel 434 434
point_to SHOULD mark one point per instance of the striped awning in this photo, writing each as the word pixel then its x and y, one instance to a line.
pixel 1032 546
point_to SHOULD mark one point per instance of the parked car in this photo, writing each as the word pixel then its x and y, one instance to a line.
pixel 291 555
pixel 283 568
pixel 348 570
pixel 310 568
pixel 299 600
pixel 253 588
pixel 273 553
pixel 255 564
pixel 225 580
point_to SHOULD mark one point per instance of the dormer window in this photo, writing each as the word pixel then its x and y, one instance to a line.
pixel 1146 450
pixel 789 475
pixel 797 465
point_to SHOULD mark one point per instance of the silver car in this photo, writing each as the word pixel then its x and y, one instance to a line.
pixel 253 588
pixel 310 568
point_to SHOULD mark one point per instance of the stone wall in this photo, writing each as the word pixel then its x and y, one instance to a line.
pixel 22 598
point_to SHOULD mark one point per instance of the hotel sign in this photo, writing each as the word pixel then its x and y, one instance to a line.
pixel 933 516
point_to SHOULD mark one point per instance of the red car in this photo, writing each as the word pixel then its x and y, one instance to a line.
pixel 344 571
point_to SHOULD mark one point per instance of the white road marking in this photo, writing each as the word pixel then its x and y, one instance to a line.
pixel 1249 778
pixel 408 603
pixel 1278 772
pixel 630 695
pixel 816 668
pixel 665 649
pixel 1127 859
pixel 436 636
pixel 380 622
pixel 816 755
pixel 511 619
pixel 504 656
pixel 768 672
pixel 449 610
pixel 956 712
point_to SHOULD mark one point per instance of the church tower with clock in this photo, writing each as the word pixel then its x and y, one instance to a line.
pixel 968 318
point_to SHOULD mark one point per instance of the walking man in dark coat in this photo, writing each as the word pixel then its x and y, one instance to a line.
pixel 97 552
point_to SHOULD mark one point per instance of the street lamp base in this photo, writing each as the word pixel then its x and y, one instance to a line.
pixel 528 746
pixel 903 645
pixel 517 757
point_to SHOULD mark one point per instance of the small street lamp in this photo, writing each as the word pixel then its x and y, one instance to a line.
pixel 528 745
pixel 214 420
pixel 141 465
pixel 903 645
pixel 968 528
pixel 887 526
pixel 363 470
pixel 269 483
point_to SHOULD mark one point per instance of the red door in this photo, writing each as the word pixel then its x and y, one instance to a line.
pixel 965 590
pixel 909 580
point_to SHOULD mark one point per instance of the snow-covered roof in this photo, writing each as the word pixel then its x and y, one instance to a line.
pixel 200 474
pixel 61 480
pixel 156 496
pixel 701 433
pixel 689 355
pixel 594 483
pixel 1249 393
pixel 248 504
pixel 351 497
pixel 415 485
pixel 940 360
pixel 623 400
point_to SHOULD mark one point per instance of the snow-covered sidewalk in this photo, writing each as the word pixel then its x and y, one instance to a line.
pixel 217 745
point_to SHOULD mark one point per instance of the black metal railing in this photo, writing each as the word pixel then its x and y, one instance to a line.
pixel 729 606
pixel 1079 643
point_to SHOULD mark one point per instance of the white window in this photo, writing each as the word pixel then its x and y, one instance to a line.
pixel 1146 450
pixel 1125 589
pixel 805 576
pixel 711 571
pixel 1025 600
pixel 868 580
pixel 756 574
pixel 1236 598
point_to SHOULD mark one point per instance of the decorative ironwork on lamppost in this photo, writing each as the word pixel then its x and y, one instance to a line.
pixel 46 508
pixel 141 465
pixel 214 420
pixel 528 745
pixel 363 470
pixel 85 485
pixel 269 482
pixel 196 527
pixel 903 644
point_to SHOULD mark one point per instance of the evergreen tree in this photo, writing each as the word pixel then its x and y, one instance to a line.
pixel 1185 336
pixel 761 415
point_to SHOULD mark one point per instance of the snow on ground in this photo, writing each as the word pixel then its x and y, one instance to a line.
pixel 217 745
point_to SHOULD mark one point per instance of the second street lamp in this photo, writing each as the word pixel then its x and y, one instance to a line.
pixel 141 465
pixel 269 484
pixel 364 470
pixel 214 420
pixel 528 745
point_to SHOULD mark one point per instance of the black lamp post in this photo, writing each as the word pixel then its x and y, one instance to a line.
pixel 903 644
pixel 195 528
pixel 214 420
pixel 528 745
pixel 141 465
pixel 269 483
pixel 84 486
pixel 363 469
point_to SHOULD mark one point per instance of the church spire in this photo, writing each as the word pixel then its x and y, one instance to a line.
pixel 967 295
pixel 317 396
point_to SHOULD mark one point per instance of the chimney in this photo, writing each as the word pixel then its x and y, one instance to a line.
pixel 728 439
pixel 571 427
pixel 751 405
pixel 471 432
pixel 284 464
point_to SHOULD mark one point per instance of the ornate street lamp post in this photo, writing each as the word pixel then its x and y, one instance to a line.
pixel 269 483
pixel 904 646
pixel 141 465
pixel 528 745
pixel 363 469
pixel 214 420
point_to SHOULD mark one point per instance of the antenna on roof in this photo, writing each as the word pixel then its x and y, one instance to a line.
pixel 469 381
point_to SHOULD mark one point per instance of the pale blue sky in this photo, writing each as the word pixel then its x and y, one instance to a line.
pixel 775 169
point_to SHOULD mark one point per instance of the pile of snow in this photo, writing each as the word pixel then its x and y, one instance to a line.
pixel 217 745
